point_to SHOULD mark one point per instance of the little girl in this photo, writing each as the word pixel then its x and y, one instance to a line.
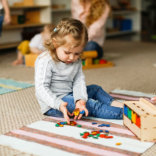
pixel 59 80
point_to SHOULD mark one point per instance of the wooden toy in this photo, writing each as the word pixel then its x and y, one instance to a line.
pixel 76 112
pixel 88 62
pixel 30 59
pixel 140 118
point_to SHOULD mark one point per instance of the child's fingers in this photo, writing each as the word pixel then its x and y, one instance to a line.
pixel 86 111
pixel 70 114
pixel 67 118
pixel 75 117
pixel 80 116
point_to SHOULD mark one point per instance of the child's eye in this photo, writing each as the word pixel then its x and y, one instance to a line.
pixel 77 54
pixel 67 52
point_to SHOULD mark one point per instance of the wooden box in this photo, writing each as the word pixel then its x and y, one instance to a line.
pixel 14 19
pixel 30 59
pixel 29 2
pixel 32 17
pixel 140 118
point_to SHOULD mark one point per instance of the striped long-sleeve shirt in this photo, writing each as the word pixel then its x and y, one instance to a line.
pixel 54 80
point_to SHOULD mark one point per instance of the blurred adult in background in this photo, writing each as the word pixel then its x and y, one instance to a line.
pixel 94 14
pixel 4 13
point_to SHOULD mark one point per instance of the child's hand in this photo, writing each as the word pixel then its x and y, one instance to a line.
pixel 81 105
pixel 63 109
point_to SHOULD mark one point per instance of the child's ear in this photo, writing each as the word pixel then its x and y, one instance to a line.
pixel 54 42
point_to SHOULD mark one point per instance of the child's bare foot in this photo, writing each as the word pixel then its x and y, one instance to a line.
pixel 153 100
pixel 17 62
pixel 117 104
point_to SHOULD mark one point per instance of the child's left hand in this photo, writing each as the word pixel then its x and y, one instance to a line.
pixel 81 105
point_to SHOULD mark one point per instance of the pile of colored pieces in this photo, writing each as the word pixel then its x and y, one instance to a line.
pixel 72 123
pixel 96 134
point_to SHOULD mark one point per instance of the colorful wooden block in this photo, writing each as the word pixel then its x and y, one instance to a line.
pixel 129 113
pixel 125 110
pixel 133 117
pixel 89 56
pixel 138 120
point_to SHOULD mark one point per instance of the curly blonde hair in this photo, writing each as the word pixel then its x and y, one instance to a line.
pixel 67 26
pixel 97 8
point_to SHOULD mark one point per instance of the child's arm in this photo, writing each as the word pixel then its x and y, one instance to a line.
pixel 80 91
pixel 36 44
pixel 35 50
pixel 43 78
pixel 79 85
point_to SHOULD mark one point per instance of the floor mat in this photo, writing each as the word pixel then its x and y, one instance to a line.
pixel 45 138
pixel 9 85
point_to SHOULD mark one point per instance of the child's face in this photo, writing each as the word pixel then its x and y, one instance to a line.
pixel 68 54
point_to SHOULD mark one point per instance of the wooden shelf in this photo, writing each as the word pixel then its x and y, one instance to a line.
pixel 61 10
pixel 23 25
pixel 9 45
pixel 118 33
pixel 27 7
pixel 124 12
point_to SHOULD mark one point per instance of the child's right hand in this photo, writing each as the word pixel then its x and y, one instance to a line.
pixel 63 109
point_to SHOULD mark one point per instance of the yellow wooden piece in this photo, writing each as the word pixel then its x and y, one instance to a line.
pixel 88 61
pixel 89 54
pixel 76 112
pixel 118 143
pixel 30 59
pixel 133 117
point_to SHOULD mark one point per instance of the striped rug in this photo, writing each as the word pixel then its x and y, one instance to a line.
pixel 45 139
pixel 9 85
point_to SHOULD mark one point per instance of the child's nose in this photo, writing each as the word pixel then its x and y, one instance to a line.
pixel 71 57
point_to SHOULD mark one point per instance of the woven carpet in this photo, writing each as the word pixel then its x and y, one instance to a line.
pixel 44 138
pixel 9 85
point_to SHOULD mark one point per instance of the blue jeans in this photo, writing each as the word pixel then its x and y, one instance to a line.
pixel 91 45
pixel 98 104
pixel 1 23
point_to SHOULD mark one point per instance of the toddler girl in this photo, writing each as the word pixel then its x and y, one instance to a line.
pixel 59 80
